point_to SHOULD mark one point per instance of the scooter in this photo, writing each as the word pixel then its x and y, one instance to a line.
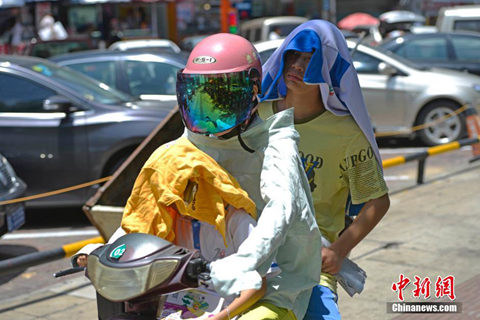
pixel 134 275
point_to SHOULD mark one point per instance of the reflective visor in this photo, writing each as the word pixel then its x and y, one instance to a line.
pixel 213 103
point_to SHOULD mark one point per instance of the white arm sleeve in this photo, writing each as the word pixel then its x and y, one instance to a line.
pixel 288 205
pixel 92 246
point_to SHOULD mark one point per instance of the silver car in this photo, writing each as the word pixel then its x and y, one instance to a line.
pixel 164 45
pixel 402 97
pixel 59 128
pixel 144 75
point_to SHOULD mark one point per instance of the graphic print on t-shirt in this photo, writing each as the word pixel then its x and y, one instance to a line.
pixel 353 160
pixel 310 163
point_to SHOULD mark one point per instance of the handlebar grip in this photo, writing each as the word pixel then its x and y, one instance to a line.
pixel 195 267
pixel 68 271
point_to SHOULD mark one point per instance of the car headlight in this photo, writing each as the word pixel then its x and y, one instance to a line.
pixel 476 87
pixel 7 174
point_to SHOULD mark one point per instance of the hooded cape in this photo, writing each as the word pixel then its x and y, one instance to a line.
pixel 286 230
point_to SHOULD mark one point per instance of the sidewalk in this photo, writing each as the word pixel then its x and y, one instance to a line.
pixel 74 299
pixel 430 230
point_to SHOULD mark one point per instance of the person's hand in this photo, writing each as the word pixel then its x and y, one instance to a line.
pixel 82 260
pixel 331 261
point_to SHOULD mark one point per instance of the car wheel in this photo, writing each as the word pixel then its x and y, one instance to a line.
pixel 114 164
pixel 448 130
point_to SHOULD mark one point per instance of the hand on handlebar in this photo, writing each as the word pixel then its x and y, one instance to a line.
pixel 82 260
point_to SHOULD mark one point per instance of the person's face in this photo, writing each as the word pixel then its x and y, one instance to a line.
pixel 296 63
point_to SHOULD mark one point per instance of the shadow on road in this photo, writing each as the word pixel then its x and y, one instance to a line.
pixel 392 143
pixel 8 251
pixel 57 217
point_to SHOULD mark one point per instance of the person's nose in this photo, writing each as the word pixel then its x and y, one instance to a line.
pixel 298 65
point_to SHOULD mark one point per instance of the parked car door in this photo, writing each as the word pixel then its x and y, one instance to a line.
pixel 384 95
pixel 56 141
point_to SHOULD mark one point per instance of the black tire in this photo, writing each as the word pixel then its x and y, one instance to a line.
pixel 114 164
pixel 449 130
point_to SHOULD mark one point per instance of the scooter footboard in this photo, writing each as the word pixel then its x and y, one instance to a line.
pixel 108 309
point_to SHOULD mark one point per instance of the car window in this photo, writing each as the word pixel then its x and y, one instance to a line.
pixel 424 49
pixel 49 49
pixel 365 63
pixel 84 86
pixel 466 49
pixel 468 25
pixel 284 29
pixel 13 97
pixel 264 55
pixel 246 34
pixel 149 77
pixel 393 55
pixel 257 35
pixel 152 50
pixel 103 71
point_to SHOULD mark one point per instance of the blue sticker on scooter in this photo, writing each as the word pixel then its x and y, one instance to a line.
pixel 118 252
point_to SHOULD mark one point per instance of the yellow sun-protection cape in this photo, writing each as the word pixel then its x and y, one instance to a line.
pixel 166 179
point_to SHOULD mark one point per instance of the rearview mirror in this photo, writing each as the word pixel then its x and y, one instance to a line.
pixel 58 104
pixel 386 69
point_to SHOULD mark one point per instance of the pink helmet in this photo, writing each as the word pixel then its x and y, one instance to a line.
pixel 215 91
pixel 223 53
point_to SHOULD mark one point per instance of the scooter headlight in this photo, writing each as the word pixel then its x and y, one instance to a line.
pixel 120 284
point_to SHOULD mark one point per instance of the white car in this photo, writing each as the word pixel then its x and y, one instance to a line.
pixel 142 44
pixel 260 29
pixel 402 97
pixel 463 18
pixel 266 48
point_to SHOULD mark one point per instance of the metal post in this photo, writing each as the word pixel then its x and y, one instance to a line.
pixel 154 19
pixel 474 159
pixel 224 10
pixel 333 11
pixel 421 170
pixel 325 9
pixel 20 263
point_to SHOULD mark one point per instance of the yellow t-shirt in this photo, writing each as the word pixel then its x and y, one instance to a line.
pixel 338 161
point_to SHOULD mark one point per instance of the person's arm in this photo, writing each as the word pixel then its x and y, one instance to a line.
pixel 246 299
pixel 367 219
pixel 288 209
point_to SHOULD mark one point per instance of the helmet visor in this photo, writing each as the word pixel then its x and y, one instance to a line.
pixel 213 103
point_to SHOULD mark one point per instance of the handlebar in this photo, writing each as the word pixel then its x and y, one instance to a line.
pixel 68 271
pixel 196 267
